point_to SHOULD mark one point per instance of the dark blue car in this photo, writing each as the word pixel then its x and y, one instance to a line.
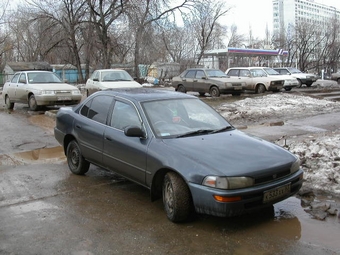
pixel 178 147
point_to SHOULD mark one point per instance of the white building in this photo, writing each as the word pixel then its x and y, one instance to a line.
pixel 288 13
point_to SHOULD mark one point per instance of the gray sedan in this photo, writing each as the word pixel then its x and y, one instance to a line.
pixel 179 148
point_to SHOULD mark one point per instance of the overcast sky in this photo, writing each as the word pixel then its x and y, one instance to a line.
pixel 257 14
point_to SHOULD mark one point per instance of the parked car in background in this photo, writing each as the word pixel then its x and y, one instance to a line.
pixel 335 77
pixel 109 79
pixel 290 82
pixel 204 80
pixel 303 78
pixel 39 88
pixel 178 147
pixel 255 79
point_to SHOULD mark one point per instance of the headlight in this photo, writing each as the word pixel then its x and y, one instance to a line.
pixel 47 92
pixel 75 92
pixel 295 166
pixel 228 182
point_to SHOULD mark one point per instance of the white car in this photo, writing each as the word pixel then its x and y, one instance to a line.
pixel 39 88
pixel 256 79
pixel 109 79
pixel 303 78
pixel 290 81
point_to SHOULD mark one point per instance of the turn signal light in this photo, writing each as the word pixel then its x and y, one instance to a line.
pixel 227 199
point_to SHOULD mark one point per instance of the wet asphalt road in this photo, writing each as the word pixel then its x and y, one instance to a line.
pixel 44 209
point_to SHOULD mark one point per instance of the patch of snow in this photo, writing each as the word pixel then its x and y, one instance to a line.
pixel 319 155
pixel 275 105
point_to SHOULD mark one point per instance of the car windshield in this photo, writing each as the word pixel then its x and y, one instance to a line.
pixel 116 76
pixel 294 70
pixel 270 71
pixel 43 77
pixel 216 73
pixel 183 117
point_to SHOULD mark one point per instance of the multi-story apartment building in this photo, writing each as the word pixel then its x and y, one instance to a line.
pixel 288 13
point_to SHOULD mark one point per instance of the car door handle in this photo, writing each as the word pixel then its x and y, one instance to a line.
pixel 184 79
pixel 195 80
pixel 108 138
pixel 78 126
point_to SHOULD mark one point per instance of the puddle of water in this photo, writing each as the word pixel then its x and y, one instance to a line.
pixel 41 154
pixel 43 121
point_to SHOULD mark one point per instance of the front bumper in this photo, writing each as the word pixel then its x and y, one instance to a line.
pixel 251 198
pixel 58 99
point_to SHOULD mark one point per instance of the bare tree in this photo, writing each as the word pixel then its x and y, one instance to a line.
pixel 142 14
pixel 205 18
pixel 103 14
pixel 67 15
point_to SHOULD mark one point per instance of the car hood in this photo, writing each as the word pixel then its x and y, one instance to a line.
pixel 119 84
pixel 231 153
pixel 52 86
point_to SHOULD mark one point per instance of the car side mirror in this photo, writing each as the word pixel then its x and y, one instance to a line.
pixel 134 131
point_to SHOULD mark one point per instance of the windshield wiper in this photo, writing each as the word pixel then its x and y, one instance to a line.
pixel 221 129
pixel 196 132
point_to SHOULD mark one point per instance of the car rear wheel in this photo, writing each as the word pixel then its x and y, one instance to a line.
pixel 201 93
pixel 182 89
pixel 32 103
pixel 288 89
pixel 9 104
pixel 260 89
pixel 176 198
pixel 75 160
pixel 214 91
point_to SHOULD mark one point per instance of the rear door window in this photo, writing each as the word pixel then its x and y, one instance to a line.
pixel 98 108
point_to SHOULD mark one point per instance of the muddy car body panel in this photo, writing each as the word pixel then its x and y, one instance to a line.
pixel 152 137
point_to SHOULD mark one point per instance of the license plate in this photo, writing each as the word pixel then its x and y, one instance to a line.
pixel 237 88
pixel 276 193
pixel 64 98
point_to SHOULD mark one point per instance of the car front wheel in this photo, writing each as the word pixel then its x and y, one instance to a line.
pixel 32 103
pixel 261 89
pixel 75 160
pixel 9 104
pixel 176 198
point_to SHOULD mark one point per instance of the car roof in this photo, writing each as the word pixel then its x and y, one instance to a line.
pixel 114 70
pixel 250 67
pixel 144 94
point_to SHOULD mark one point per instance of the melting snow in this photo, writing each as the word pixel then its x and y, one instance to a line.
pixel 319 155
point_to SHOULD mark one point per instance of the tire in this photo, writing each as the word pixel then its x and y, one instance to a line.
pixel 214 91
pixel 260 89
pixel 201 93
pixel 32 103
pixel 300 83
pixel 9 104
pixel 176 198
pixel 309 84
pixel 288 89
pixel 182 89
pixel 75 160
pixel 338 80
pixel 87 93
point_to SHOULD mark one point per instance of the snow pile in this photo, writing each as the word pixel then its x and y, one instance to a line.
pixel 319 155
pixel 320 159
pixel 275 106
